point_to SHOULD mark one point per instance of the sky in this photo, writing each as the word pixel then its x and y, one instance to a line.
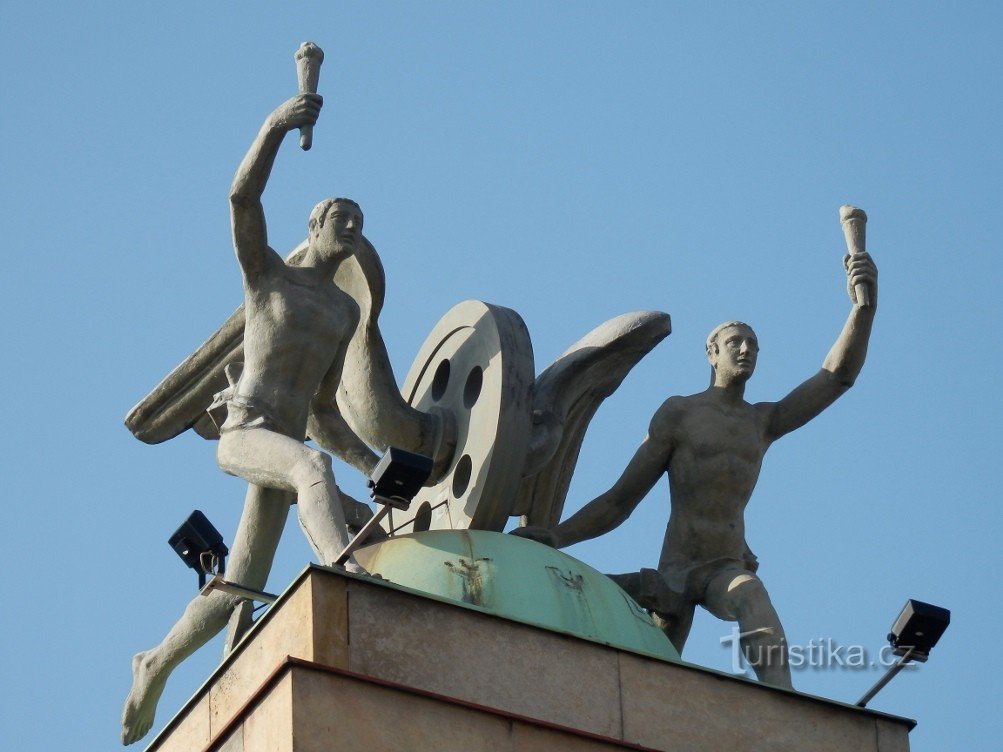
pixel 571 161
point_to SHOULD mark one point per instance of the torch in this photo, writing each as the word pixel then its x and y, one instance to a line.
pixel 854 222
pixel 308 59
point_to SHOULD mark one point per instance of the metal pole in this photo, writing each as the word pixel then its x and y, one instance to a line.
pixel 218 583
pixel 361 536
pixel 889 675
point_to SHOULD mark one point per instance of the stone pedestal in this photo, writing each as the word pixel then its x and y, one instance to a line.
pixel 351 663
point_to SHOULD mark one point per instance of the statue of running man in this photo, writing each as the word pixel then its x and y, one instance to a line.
pixel 298 325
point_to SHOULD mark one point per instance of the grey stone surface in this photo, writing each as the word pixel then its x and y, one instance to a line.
pixel 193 732
pixel 707 714
pixel 297 324
pixel 304 356
pixel 372 717
pixel 712 445
pixel 269 728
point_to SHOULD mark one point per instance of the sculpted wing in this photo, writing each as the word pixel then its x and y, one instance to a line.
pixel 179 402
pixel 566 397
pixel 368 397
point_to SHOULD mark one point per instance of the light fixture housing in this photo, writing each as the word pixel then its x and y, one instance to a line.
pixel 918 628
pixel 398 476
pixel 200 546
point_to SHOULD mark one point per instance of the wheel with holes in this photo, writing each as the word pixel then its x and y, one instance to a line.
pixel 476 368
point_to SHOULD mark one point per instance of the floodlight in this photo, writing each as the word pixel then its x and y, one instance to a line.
pixel 397 477
pixel 200 546
pixel 918 628
pixel 914 633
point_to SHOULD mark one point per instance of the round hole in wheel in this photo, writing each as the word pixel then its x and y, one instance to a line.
pixel 461 475
pixel 423 519
pixel 440 381
pixel 472 389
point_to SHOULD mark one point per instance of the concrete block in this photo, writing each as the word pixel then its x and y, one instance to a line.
pixel 269 725
pixel 485 660
pixel 192 730
pixel 666 706
pixel 311 623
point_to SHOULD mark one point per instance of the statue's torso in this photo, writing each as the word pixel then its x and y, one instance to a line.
pixel 717 453
pixel 293 334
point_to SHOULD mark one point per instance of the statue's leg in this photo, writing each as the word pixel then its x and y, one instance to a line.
pixel 270 459
pixel 735 594
pixel 204 617
pixel 676 626
pixel 358 514
pixel 670 609
pixel 251 555
pixel 253 550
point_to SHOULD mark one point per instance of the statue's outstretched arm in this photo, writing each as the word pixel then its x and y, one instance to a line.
pixel 843 363
pixel 328 427
pixel 247 216
pixel 611 509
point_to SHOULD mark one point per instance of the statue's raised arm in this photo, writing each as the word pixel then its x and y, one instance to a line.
pixel 843 363
pixel 247 216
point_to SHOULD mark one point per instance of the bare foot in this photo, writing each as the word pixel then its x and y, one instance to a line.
pixel 141 704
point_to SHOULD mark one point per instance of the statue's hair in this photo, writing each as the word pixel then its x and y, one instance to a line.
pixel 319 213
pixel 712 337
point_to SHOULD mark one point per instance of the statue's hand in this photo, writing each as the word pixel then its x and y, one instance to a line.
pixel 303 109
pixel 860 270
pixel 542 535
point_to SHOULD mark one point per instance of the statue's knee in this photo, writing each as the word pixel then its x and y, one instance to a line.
pixel 314 468
pixel 223 453
pixel 752 600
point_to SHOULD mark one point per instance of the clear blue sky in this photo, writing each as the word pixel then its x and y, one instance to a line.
pixel 570 161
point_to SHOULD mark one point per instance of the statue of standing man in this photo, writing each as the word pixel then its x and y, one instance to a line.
pixel 712 445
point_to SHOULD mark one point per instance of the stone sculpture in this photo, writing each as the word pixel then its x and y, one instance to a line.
pixel 712 445
pixel 304 357
pixel 297 328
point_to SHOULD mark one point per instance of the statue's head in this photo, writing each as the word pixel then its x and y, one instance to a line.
pixel 335 226
pixel 732 349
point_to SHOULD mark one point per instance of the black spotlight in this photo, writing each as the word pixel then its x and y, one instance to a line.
pixel 200 546
pixel 914 633
pixel 398 476
pixel 917 629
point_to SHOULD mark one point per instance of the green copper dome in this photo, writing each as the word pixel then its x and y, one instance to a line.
pixel 518 579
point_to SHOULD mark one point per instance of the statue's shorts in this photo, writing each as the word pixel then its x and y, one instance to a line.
pixel 244 413
pixel 233 412
pixel 673 591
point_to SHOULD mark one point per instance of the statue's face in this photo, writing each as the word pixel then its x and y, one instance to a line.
pixel 342 229
pixel 734 353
